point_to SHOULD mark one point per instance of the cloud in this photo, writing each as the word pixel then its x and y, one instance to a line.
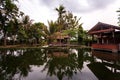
pixel 78 6
pixel 100 4
pixel 44 10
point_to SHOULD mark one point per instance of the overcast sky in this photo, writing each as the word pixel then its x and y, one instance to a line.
pixel 90 11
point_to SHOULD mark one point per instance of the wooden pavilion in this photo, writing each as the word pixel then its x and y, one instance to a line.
pixel 60 39
pixel 107 37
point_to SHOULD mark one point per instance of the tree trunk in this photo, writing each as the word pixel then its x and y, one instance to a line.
pixel 37 40
pixel 13 39
pixel 5 39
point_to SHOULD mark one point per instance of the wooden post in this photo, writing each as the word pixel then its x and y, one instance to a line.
pixel 92 38
pixel 101 38
pixel 113 35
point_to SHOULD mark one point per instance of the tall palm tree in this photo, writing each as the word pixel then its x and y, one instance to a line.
pixel 13 29
pixel 8 11
pixel 26 21
pixel 23 33
pixel 118 16
pixel 61 11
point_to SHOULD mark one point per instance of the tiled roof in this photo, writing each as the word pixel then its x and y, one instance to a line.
pixel 102 27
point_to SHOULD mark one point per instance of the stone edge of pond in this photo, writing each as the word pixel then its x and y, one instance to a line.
pixel 41 47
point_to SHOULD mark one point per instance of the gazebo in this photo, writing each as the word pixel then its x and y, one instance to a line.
pixel 107 37
pixel 60 39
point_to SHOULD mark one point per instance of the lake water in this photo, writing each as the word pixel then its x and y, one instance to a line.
pixel 58 64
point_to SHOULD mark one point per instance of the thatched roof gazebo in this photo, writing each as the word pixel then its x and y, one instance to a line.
pixel 60 39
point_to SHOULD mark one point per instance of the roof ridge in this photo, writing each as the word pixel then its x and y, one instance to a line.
pixel 103 26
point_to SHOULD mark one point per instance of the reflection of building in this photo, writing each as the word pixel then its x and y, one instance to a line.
pixel 106 55
pixel 108 59
pixel 107 36
pixel 60 39
pixel 106 66
pixel 58 53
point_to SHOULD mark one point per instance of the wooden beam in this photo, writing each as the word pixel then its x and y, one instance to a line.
pixel 102 31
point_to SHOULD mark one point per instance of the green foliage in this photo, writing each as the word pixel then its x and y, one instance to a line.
pixel 83 37
pixel 71 21
pixel 118 16
pixel 61 11
pixel 52 27
pixel 9 12
pixel 80 34
pixel 67 22
pixel 24 28
pixel 22 33
pixel 31 32
pixel 37 30
pixel 16 25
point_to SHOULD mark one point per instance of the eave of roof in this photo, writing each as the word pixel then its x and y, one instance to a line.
pixel 102 27
pixel 101 31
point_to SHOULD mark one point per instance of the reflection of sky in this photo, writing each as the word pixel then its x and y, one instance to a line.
pixel 37 74
pixel 84 74
pixel 1 34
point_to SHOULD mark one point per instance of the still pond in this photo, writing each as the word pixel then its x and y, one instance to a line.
pixel 58 64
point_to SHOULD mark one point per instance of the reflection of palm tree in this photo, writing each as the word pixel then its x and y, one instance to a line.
pixel 62 66
pixel 80 58
pixel 10 64
pixel 84 55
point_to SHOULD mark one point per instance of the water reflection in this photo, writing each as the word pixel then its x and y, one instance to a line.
pixel 19 64
pixel 57 64
pixel 106 66
pixel 62 64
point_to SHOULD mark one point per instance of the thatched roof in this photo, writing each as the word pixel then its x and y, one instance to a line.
pixel 60 35
pixel 102 27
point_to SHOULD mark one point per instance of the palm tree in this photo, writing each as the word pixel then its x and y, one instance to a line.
pixel 8 11
pixel 118 16
pixel 61 11
pixel 13 29
pixel 37 31
pixel 49 31
pixel 26 22
pixel 23 33
pixel 52 27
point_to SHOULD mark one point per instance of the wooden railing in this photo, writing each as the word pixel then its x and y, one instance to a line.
pixel 113 47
